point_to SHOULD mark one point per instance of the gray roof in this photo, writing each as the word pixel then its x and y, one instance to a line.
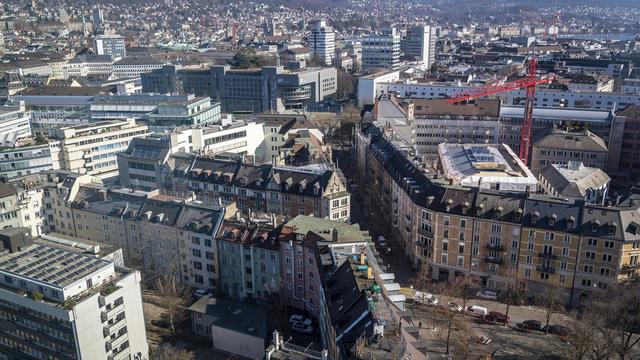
pixel 138 60
pixel 582 140
pixel 246 319
pixel 574 179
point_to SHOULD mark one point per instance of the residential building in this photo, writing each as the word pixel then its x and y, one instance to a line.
pixel 420 45
pixel 575 181
pixel 93 148
pixel 74 304
pixel 560 146
pixel 10 211
pixel 322 42
pixel 112 45
pixel 133 66
pixel 100 66
pixel 629 160
pixel 381 50
pixel 485 166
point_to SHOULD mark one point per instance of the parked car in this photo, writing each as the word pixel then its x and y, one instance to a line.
pixel 498 317
pixel 529 325
pixel 559 330
pixel 454 307
pixel 425 298
pixel 382 241
pixel 200 293
pixel 487 295
pixel 477 310
pixel 302 328
pixel 299 319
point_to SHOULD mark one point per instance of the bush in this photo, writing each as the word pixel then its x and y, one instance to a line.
pixel 37 296
pixel 69 304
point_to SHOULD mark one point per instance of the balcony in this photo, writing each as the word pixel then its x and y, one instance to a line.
pixel 424 232
pixel 546 269
pixel 493 260
pixel 498 247
pixel 629 267
pixel 545 255
pixel 424 245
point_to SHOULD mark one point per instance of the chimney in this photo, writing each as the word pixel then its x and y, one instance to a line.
pixel 276 339
pixel 334 235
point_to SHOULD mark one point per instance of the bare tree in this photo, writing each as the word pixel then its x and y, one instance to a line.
pixel 621 308
pixel 461 287
pixel 552 300
pixel 168 352
pixel 587 337
pixel 513 295
pixel 463 340
pixel 173 296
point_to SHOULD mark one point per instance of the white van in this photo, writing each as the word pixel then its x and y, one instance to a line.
pixel 425 298
pixel 477 310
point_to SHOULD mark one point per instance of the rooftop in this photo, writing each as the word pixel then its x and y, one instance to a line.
pixel 233 316
pixel 304 224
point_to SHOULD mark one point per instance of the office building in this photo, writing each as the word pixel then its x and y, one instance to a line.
pixel 249 90
pixel 132 106
pixel 98 66
pixel 197 111
pixel 133 66
pixel 14 122
pixel 97 18
pixel 420 45
pixel 322 42
pixel 381 50
pixel 72 305
pixel 92 149
pixel 112 45
pixel 28 157
pixel 556 145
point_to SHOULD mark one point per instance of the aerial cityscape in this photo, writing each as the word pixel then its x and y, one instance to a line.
pixel 319 180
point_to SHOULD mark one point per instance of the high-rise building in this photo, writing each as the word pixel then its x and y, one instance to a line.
pixel 322 42
pixel 111 45
pixel 420 45
pixel 72 305
pixel 97 19
pixel 381 50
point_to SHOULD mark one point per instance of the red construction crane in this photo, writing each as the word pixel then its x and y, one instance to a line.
pixel 529 83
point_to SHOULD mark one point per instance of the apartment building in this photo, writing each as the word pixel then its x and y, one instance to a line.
pixel 322 42
pixel 73 305
pixel 93 148
pixel 381 50
pixel 629 160
pixel 314 190
pixel 499 237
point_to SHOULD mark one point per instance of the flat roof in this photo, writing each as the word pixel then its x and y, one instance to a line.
pixel 323 228
pixel 51 265
pixel 246 319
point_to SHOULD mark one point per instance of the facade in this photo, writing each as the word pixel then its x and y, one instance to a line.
pixel 498 237
pixel 14 122
pixel 112 45
pixel 100 66
pixel 75 305
pixel 322 42
pixel 51 112
pixel 382 50
pixel 561 146
pixel 629 161
pixel 420 45
pixel 92 149
pixel 137 106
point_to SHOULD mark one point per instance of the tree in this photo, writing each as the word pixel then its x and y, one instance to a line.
pixel 316 61
pixel 463 340
pixel 173 296
pixel 345 86
pixel 168 352
pixel 462 288
pixel 552 300
pixel 620 307
pixel 513 295
pixel 587 338
pixel 246 58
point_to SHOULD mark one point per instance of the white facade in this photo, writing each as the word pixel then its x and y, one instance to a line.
pixel 237 138
pixel 111 45
pixel 322 42
pixel 368 86
pixel 14 123
pixel 96 314
pixel 92 149
pixel 420 45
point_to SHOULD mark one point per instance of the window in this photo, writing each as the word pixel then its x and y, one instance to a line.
pixel 590 255
pixel 608 244
pixel 199 279
pixel 463 223
pixel 460 261
pixel 445 246
pixel 445 221
pixel 528 259
pixel 592 242
pixel 210 268
pixel 606 257
pixel 445 233
pixel 496 228
pixel 445 258
pixel 527 273
pixel 462 236
pixel 461 248
pixel 514 244
pixel 196 252
pixel 565 251
pixel 208 255
pixel 567 238
pixel 530 246
pixel 207 242
pixel 197 265
pixel 586 282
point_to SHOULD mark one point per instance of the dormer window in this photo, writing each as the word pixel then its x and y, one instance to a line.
pixel 286 187
pixel 465 207
pixel 534 217
pixel 518 214
pixel 571 222
pixel 479 209
pixel 498 213
pixel 241 181
pixel 449 202
pixel 430 199
pixel 595 226
pixel 612 228
pixel 552 219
